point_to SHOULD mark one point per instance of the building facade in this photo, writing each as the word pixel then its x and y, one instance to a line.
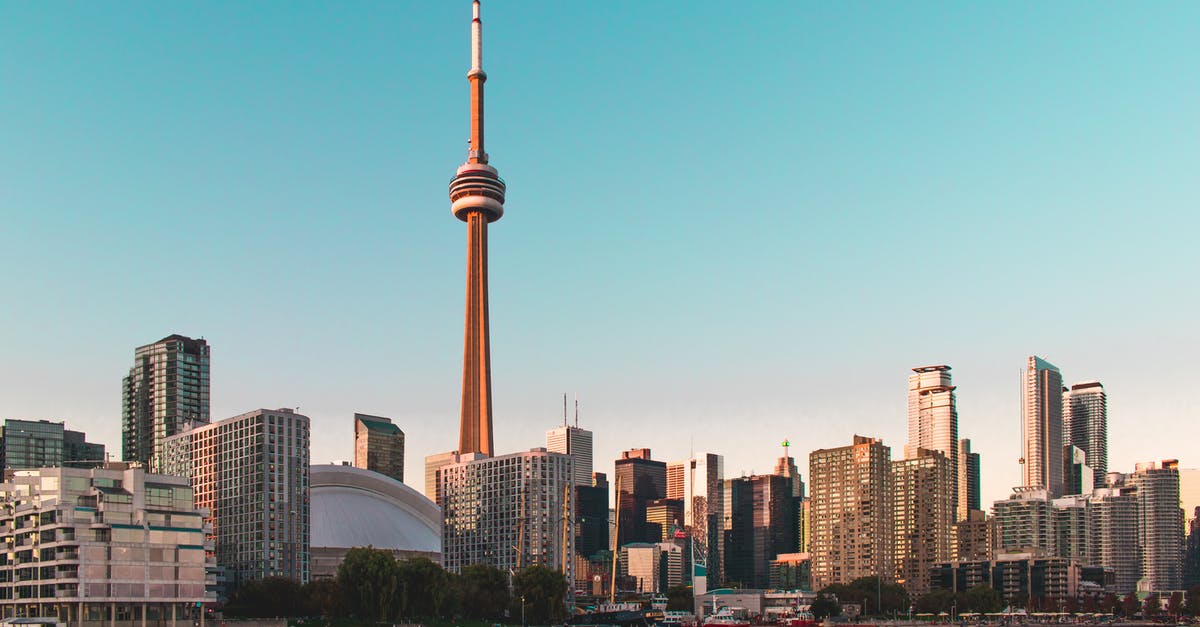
pixel 758 525
pixel 591 516
pixel 379 446
pixel 1160 524
pixel 968 480
pixel 251 472
pixel 698 482
pixel 509 511
pixel 974 537
pixel 850 517
pixel 1024 523
pixel 27 444
pixel 923 515
pixel 640 480
pixel 1116 544
pixel 1042 427
pixel 577 443
pixel 1085 426
pixel 933 420
pixel 102 544
pixel 166 389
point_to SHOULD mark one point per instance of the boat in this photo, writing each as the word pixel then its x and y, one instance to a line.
pixel 801 619
pixel 724 617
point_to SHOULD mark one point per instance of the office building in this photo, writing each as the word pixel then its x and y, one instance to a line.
pixel 1042 427
pixel 1189 494
pixel 665 516
pixel 510 511
pixel 1085 426
pixel 1077 474
pixel 591 516
pixel 577 443
pixel 1160 524
pixel 1115 543
pixel 26 444
pixel 102 546
pixel 251 472
pixel 698 482
pixel 640 480
pixel 434 463
pixel 968 480
pixel 1191 555
pixel 923 515
pixel 166 389
pixel 850 511
pixel 758 524
pixel 933 420
pixel 379 446
pixel 1024 523
pixel 791 571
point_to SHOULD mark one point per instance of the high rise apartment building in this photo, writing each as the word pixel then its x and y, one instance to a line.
pixel 26 444
pixel 1085 425
pixel 1115 544
pixel 1042 427
pixel 251 472
pixel 968 480
pixel 974 537
pixel 758 524
pixel 1160 523
pixel 640 480
pixel 102 546
pixel 850 510
pixel 1024 523
pixel 933 419
pixel 923 515
pixel 166 389
pixel 379 446
pixel 510 511
pixel 577 443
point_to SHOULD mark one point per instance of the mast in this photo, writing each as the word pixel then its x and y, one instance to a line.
pixel 612 588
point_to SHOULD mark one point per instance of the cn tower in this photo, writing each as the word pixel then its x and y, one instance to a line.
pixel 477 198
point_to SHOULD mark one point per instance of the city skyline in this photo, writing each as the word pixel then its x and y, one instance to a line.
pixel 680 336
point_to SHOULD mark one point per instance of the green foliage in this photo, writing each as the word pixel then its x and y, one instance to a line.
pixel 1151 606
pixel 1175 603
pixel 323 597
pixel 680 598
pixel 268 598
pixel 825 605
pixel 425 588
pixel 483 591
pixel 935 601
pixel 982 598
pixel 1193 601
pixel 542 592
pixel 1129 605
pixel 370 581
pixel 870 593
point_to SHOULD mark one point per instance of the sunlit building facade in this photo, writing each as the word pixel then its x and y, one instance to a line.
pixel 166 389
pixel 577 443
pixel 379 446
pixel 850 512
pixel 1042 427
pixel 923 515
pixel 1160 524
pixel 933 420
pixel 1085 426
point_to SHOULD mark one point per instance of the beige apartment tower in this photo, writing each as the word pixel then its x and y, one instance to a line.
pixel 923 513
pixel 933 421
pixel 1042 427
pixel 850 513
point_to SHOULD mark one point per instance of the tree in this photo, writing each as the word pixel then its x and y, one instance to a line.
pixel 1193 600
pixel 425 589
pixel 484 590
pixel 1151 606
pixel 268 598
pixel 1109 604
pixel 826 604
pixel 323 597
pixel 982 598
pixel 1175 603
pixel 370 580
pixel 680 598
pixel 1129 605
pixel 542 592
pixel 935 601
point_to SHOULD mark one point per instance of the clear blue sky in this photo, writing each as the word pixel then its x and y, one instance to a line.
pixel 727 223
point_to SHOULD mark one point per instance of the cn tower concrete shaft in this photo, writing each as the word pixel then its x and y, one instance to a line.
pixel 477 198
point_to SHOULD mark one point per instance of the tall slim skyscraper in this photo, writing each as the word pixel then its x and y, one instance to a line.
pixel 933 419
pixel 1160 523
pixel 477 198
pixel 968 480
pixel 1085 425
pixel 1042 427
pixel 379 446
pixel 166 388
pixel 577 443
pixel 639 481
pixel 697 482
pixel 850 510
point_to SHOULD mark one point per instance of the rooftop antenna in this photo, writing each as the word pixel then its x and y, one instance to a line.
pixel 577 410
pixel 565 409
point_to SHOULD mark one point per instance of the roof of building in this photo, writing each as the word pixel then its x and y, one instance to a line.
pixel 353 507
pixel 378 423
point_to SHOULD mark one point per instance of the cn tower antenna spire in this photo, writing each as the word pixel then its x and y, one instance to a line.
pixel 477 198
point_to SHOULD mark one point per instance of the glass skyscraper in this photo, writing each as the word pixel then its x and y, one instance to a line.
pixel 166 388
pixel 1042 427
pixel 1085 425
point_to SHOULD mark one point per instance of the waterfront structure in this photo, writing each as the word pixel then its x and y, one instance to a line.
pixel 110 545
pixel 477 198
pixel 577 443
pixel 974 537
pixel 850 505
pixel 1018 578
pixel 923 515
pixel 758 524
pixel 933 420
pixel 591 517
pixel 1085 425
pixel 968 480
pixel 1115 544
pixel 166 389
pixel 26 444
pixel 510 511
pixel 352 507
pixel 1042 427
pixel 251 473
pixel 640 480
pixel 1160 524
pixel 1024 523
pixel 379 446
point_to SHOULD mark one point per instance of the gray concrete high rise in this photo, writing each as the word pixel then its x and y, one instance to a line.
pixel 166 389
pixel 1042 427
pixel 933 421
pixel 1085 425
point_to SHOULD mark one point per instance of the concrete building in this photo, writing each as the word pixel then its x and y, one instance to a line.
pixel 379 446
pixel 352 507
pixel 1024 523
pixel 1085 426
pixel 974 537
pixel 1160 524
pixel 640 480
pixel 923 515
pixel 758 524
pixel 933 421
pixel 1114 529
pixel 577 443
pixel 1017 578
pixel 968 480
pixel 251 473
pixel 26 444
pixel 102 545
pixel 166 389
pixel 510 511
pixel 850 512
pixel 1071 522
pixel 1042 427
